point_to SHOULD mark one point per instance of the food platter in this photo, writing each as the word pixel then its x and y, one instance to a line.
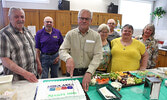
pixel 127 79
pixel 143 74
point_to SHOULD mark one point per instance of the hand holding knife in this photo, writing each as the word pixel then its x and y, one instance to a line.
pixel 70 68
pixel 72 83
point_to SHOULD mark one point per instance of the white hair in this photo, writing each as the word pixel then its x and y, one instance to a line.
pixel 47 18
pixel 10 12
pixel 103 27
pixel 81 11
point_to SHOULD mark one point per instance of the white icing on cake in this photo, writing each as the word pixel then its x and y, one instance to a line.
pixel 60 90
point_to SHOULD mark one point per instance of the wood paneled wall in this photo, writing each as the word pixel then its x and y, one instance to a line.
pixel 63 19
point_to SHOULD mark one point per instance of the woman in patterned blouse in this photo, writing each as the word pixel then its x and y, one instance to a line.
pixel 104 30
pixel 151 44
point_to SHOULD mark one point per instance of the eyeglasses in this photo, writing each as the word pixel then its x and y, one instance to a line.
pixel 111 23
pixel 48 21
pixel 83 18
pixel 104 32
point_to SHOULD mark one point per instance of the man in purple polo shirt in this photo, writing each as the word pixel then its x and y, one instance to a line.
pixel 48 41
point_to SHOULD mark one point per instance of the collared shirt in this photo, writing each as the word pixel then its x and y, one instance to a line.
pixel 48 43
pixel 86 50
pixel 20 48
pixel 151 45
pixel 113 36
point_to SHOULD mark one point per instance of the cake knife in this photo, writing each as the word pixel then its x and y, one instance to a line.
pixel 72 84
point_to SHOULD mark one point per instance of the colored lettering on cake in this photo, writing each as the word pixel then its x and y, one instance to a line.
pixel 58 88
pixel 71 93
pixel 64 87
pixel 56 95
pixel 64 90
pixel 69 87
pixel 52 89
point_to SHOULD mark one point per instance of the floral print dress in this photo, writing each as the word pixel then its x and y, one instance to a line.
pixel 106 58
pixel 151 45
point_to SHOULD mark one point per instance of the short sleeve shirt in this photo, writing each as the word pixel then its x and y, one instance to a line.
pixel 113 36
pixel 20 48
pixel 126 58
pixel 48 43
pixel 151 45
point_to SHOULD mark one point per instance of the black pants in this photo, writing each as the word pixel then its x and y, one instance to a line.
pixel 78 72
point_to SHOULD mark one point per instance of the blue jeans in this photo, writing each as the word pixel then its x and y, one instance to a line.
pixel 47 62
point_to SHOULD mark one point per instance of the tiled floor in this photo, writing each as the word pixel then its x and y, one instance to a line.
pixel 60 74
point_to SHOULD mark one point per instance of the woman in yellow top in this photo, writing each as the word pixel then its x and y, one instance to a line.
pixel 128 54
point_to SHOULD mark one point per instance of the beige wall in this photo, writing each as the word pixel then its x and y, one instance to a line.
pixel 93 5
pixel 161 28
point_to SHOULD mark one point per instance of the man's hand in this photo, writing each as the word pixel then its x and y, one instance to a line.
pixel 56 60
pixel 70 66
pixel 30 77
pixel 18 70
pixel 39 67
pixel 86 80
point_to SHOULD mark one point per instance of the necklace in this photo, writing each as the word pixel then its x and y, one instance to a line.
pixel 104 42
pixel 125 43
pixel 124 48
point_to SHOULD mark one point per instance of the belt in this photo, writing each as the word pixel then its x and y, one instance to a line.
pixel 102 70
pixel 81 69
pixel 49 53
pixel 78 72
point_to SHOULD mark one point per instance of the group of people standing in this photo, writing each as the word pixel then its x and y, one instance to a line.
pixel 83 49
pixel 126 53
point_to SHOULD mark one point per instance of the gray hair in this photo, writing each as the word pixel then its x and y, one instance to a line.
pixel 111 20
pixel 103 27
pixel 14 8
pixel 151 26
pixel 128 26
pixel 81 11
pixel 47 17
